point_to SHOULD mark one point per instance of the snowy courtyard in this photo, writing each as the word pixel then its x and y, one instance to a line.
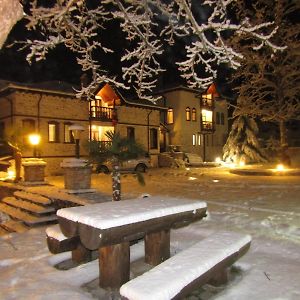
pixel 266 207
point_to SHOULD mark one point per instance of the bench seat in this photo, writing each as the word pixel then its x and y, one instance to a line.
pixel 189 269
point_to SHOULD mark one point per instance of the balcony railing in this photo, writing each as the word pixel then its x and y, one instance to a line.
pixel 101 113
pixel 207 126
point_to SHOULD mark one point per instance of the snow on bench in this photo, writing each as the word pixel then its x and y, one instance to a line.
pixel 57 243
pixel 189 269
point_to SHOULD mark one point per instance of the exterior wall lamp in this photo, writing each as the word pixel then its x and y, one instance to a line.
pixel 34 140
pixel 76 130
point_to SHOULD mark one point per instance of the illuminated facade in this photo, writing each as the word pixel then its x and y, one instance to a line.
pixel 195 122
pixel 49 109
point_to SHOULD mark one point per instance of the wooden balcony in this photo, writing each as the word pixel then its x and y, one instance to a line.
pixel 100 113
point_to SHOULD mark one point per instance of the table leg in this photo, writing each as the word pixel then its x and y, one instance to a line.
pixel 81 254
pixel 157 247
pixel 114 265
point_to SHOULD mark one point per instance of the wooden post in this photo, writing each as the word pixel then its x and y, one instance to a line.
pixel 81 254
pixel 157 247
pixel 114 265
pixel 220 277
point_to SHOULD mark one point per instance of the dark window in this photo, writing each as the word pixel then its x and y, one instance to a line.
pixel 188 114
pixel 194 114
pixel 53 132
pixel 153 138
pixel 218 118
pixel 2 130
pixel 130 133
pixel 222 120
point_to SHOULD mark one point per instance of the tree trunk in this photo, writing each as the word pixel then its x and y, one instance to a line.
pixel 116 181
pixel 282 131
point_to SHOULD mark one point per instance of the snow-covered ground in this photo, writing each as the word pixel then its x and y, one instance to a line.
pixel 267 207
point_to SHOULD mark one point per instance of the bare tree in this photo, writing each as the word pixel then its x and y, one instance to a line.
pixel 150 27
pixel 269 83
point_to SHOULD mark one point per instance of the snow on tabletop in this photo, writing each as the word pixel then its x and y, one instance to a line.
pixel 55 233
pixel 118 213
pixel 166 280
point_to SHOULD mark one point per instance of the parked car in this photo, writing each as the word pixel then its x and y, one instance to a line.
pixel 131 165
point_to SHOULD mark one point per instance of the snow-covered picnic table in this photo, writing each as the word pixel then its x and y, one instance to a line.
pixel 111 226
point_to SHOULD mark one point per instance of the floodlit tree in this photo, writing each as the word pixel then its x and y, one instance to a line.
pixel 150 28
pixel 118 150
pixel 242 144
pixel 269 83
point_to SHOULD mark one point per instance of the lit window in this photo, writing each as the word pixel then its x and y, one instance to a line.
pixel 68 136
pixel 188 114
pixel 153 138
pixel 194 139
pixel 194 114
pixel 53 132
pixel 206 118
pixel 98 133
pixel 199 139
pixel 170 116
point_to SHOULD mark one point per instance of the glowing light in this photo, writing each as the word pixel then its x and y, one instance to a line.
pixel 11 174
pixel 187 169
pixel 216 180
pixel 218 160
pixel 280 167
pixel 241 163
pixel 34 139
pixel 192 178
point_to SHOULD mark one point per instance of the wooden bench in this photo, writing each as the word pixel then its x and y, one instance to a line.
pixel 57 243
pixel 110 228
pixel 181 274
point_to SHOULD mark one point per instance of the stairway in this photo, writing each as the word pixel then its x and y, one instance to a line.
pixel 25 211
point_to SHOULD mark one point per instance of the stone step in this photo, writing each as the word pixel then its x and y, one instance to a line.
pixel 35 198
pixel 14 226
pixel 25 217
pixel 28 206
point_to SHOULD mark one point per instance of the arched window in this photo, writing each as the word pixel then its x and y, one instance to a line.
pixel 194 114
pixel 188 114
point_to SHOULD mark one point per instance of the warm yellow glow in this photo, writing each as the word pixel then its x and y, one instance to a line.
pixel 218 160
pixel 241 163
pixel 206 115
pixel 11 174
pixel 280 167
pixel 34 139
pixel 192 178
pixel 98 132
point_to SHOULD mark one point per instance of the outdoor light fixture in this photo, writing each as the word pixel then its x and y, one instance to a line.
pixel 34 140
pixel 218 160
pixel 280 167
pixel 76 131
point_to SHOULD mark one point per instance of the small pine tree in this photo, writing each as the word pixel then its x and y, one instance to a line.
pixel 242 144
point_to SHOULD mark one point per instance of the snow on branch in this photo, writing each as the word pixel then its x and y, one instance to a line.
pixel 150 28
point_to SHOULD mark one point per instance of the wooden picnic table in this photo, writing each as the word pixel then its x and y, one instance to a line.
pixel 111 226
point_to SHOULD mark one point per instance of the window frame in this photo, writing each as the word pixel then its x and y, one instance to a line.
pixel 170 112
pixel 56 131
pixel 194 114
pixel 153 138
pixel 188 113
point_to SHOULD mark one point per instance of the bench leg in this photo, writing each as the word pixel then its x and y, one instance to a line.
pixel 81 254
pixel 114 265
pixel 157 247
pixel 221 277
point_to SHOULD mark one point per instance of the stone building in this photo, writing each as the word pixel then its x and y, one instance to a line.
pixel 195 122
pixel 50 108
